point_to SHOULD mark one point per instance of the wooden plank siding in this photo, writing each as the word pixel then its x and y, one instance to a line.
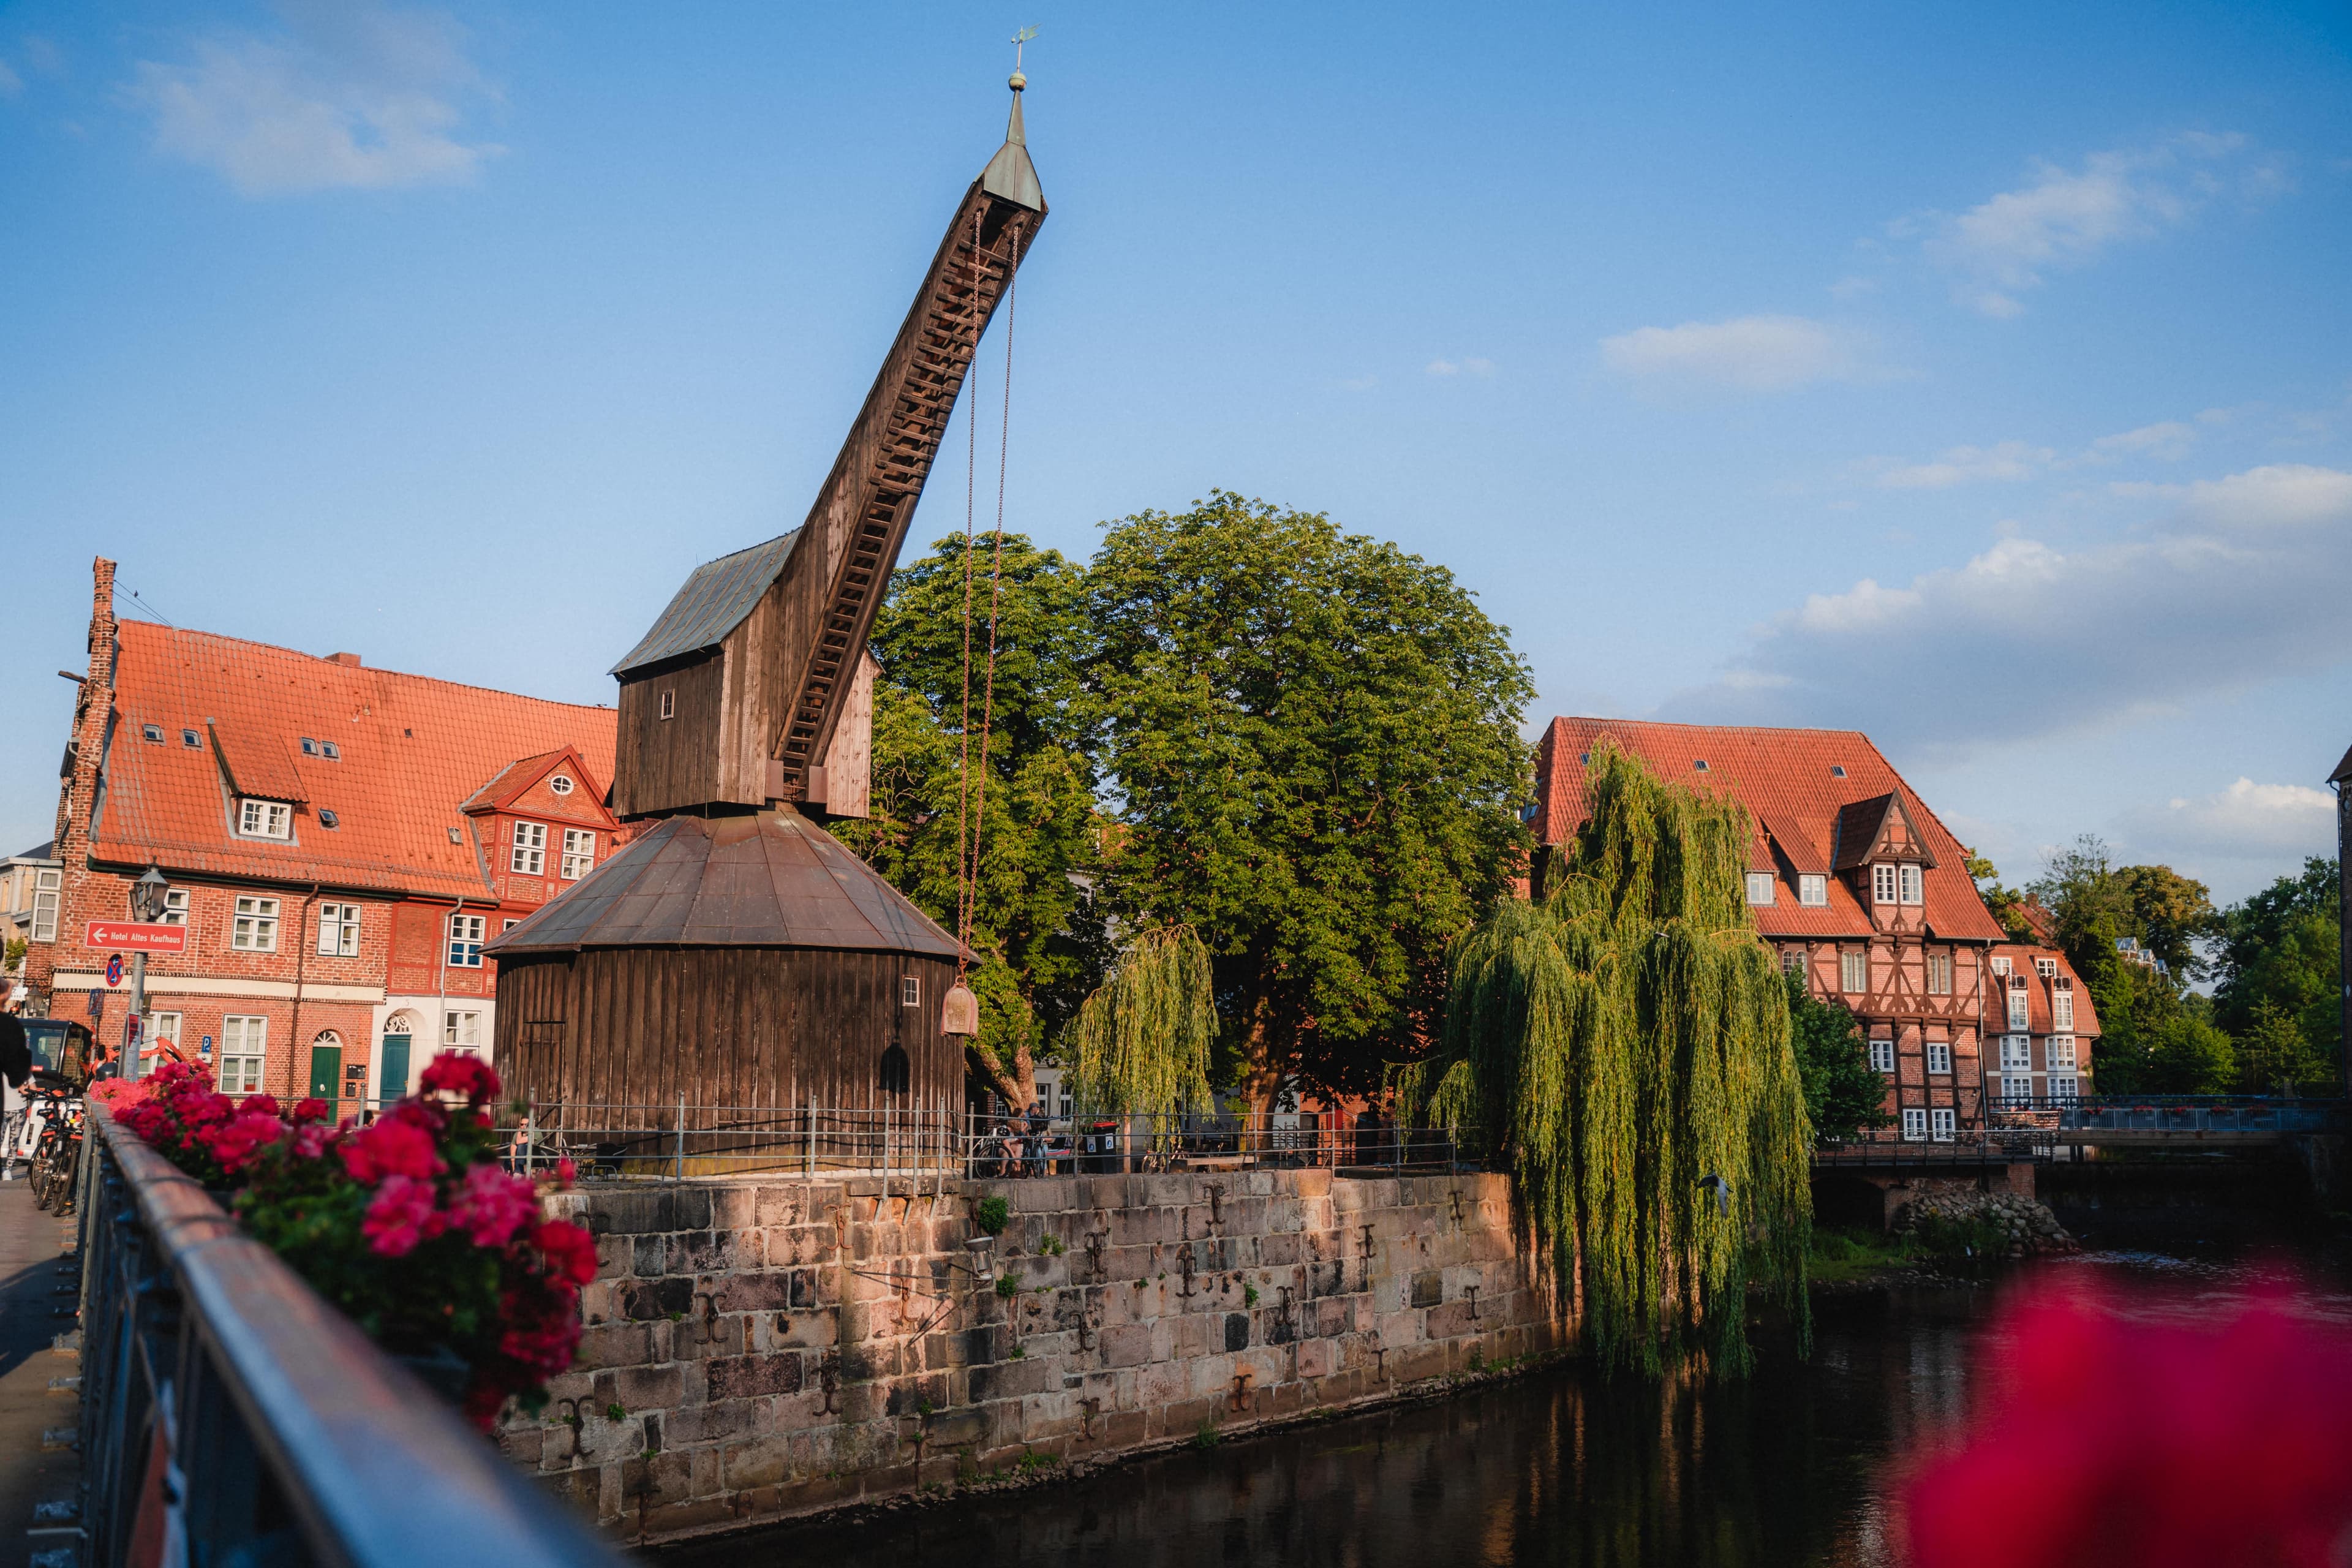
pixel 669 764
pixel 760 1027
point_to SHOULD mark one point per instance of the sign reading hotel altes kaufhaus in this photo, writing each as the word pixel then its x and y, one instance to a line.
pixel 137 936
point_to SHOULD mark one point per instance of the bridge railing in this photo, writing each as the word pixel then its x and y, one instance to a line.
pixel 2185 1114
pixel 230 1416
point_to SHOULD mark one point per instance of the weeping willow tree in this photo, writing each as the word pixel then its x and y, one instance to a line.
pixel 1624 1044
pixel 1141 1043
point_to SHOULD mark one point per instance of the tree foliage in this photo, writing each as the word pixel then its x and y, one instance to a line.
pixel 2007 904
pixel 2277 970
pixel 1312 738
pixel 1141 1041
pixel 1844 1093
pixel 1625 1047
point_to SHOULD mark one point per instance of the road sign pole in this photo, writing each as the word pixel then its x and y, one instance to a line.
pixel 137 1029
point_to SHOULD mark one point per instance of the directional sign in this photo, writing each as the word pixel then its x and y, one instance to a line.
pixel 114 969
pixel 137 936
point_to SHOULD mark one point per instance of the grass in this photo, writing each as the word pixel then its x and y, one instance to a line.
pixel 1207 1437
pixel 1844 1256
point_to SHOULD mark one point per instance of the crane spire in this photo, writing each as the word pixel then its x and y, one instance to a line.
pixel 1010 174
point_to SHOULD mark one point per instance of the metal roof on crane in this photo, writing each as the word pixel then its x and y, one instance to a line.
pixel 716 598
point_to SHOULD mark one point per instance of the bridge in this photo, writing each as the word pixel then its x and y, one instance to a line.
pixel 2037 1130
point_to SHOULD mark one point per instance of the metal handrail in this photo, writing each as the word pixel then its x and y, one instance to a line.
pixel 221 1390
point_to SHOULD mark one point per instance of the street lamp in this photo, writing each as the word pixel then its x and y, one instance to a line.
pixel 146 907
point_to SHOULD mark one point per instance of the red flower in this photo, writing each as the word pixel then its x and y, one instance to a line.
pixel 267 1104
pixel 2156 1444
pixel 311 1110
pixel 570 1251
pixel 400 1216
pixel 492 1205
pixel 390 1147
pixel 233 1144
pixel 456 1072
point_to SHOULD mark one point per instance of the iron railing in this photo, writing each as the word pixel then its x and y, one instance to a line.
pixel 674 1142
pixel 229 1416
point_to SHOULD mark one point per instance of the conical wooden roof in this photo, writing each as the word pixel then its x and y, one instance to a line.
pixel 768 879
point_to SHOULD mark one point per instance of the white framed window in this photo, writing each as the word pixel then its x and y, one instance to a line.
pixel 1813 892
pixel 330 751
pixel 175 907
pixel 1940 975
pixel 48 888
pixel 560 785
pixel 1913 880
pixel 265 819
pixel 1940 1057
pixel 2017 1088
pixel 245 1044
pixel 1793 960
pixel 461 1031
pixel 465 941
pixel 309 747
pixel 1940 1122
pixel 255 927
pixel 510 923
pixel 2047 967
pixel 339 931
pixel 1853 972
pixel 1881 882
pixel 2061 1004
pixel 1882 1055
pixel 2058 1053
pixel 2019 1003
pixel 1915 1124
pixel 910 991
pixel 2000 966
pixel 530 856
pixel 1760 887
pixel 2016 1053
pixel 669 705
pixel 2064 1086
pixel 162 1028
pixel 579 853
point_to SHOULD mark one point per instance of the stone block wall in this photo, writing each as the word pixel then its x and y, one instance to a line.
pixel 759 1349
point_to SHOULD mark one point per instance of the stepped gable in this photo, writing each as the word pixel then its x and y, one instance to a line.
pixel 767 878
pixel 1801 786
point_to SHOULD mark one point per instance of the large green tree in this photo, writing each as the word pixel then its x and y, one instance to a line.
pixel 2277 971
pixel 1311 737
pixel 1844 1093
pixel 1036 925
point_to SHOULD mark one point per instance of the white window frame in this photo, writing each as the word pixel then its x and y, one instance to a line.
pixel 1881 882
pixel 1882 1056
pixel 2001 964
pixel 254 928
pixel 2017 1088
pixel 1793 960
pixel 48 891
pixel 2016 1054
pixel 910 991
pixel 258 818
pixel 1915 1124
pixel 2066 1086
pixel 339 931
pixel 465 937
pixel 560 785
pixel 175 908
pixel 579 852
pixel 1852 964
pixel 669 705
pixel 2021 1006
pixel 244 1052
pixel 1912 882
pixel 461 1030
pixel 2047 967
pixel 2058 1053
pixel 162 1028
pixel 1940 1058
pixel 1813 891
pixel 1943 1124
pixel 530 853
pixel 2061 1004
pixel 1940 975
pixel 1760 888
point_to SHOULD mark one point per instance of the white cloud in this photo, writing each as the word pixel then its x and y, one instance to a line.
pixel 347 96
pixel 1747 353
pixel 2008 460
pixel 2242 581
pixel 2169 441
pixel 2247 821
pixel 2066 218
pixel 1444 367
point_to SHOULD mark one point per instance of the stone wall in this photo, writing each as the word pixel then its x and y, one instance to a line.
pixel 759 1349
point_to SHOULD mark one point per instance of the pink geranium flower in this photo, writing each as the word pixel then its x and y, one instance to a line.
pixel 390 1147
pixel 400 1216
pixel 491 1205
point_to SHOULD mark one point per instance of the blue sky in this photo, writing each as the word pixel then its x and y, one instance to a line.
pixel 1981 379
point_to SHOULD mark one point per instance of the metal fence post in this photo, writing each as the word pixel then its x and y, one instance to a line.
pixel 678 1174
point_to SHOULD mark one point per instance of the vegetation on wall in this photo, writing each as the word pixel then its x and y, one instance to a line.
pixel 1625 1046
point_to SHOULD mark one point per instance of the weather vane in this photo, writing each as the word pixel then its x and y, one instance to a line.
pixel 1019 39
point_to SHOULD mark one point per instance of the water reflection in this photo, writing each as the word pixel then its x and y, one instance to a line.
pixel 1568 1470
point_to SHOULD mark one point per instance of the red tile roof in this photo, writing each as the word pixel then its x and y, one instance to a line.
pixel 2021 960
pixel 412 750
pixel 1786 779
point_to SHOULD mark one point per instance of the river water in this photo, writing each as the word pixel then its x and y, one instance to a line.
pixel 1796 1466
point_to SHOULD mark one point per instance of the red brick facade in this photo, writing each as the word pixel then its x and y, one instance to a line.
pixel 321 954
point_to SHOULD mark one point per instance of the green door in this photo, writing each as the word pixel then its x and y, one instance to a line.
pixel 326 1067
pixel 394 1081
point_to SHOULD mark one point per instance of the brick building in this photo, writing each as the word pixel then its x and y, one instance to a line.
pixel 1859 886
pixel 340 842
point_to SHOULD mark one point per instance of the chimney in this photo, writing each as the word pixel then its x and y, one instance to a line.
pixel 351 659
pixel 101 623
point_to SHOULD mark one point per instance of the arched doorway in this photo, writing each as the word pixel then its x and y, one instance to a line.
pixel 392 1074
pixel 897 1072
pixel 326 1065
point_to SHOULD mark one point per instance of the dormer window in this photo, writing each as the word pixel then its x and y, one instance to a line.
pixel 1914 882
pixel 560 785
pixel 2047 967
pixel 1883 890
pixel 1813 891
pixel 530 856
pixel 1760 887
pixel 2000 966
pixel 265 819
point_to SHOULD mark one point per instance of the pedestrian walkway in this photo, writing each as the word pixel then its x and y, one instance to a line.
pixel 37 1304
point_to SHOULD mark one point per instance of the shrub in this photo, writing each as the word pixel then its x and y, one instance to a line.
pixel 990 1215
pixel 1007 1287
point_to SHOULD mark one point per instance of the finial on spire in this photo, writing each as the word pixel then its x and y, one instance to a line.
pixel 1010 174
pixel 1019 81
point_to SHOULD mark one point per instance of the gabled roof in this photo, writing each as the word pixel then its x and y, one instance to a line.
pixel 718 595
pixel 256 764
pixel 520 777
pixel 2022 962
pixel 1860 825
pixel 1797 784
pixel 411 749
pixel 2343 770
